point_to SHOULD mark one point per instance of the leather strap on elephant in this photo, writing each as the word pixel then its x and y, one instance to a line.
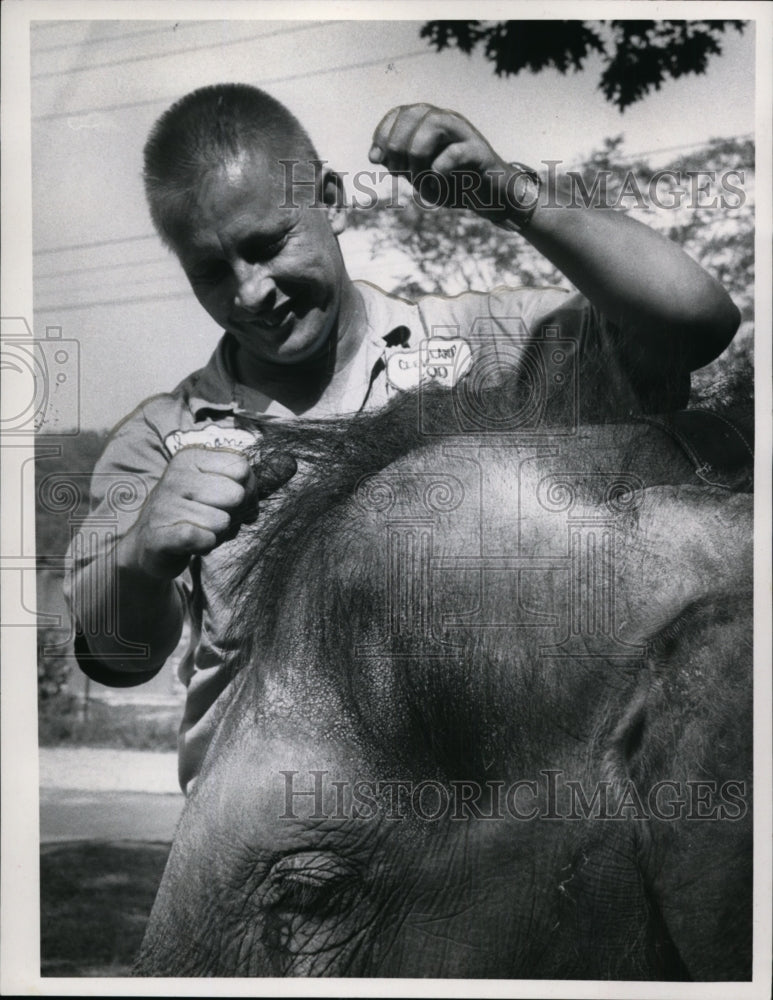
pixel 720 451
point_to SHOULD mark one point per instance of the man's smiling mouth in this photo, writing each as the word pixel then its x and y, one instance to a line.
pixel 271 320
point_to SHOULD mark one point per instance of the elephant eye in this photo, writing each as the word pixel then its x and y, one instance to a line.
pixel 310 882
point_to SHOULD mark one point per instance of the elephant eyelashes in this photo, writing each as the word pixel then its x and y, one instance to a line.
pixel 309 883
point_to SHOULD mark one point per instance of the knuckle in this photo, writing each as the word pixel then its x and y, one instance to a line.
pixel 221 522
pixel 184 535
pixel 194 537
pixel 233 495
pixel 232 463
pixel 241 464
pixel 439 122
pixel 394 142
pixel 186 457
pixel 387 120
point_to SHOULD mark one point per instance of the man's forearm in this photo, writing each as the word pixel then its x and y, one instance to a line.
pixel 675 314
pixel 130 620
pixel 635 276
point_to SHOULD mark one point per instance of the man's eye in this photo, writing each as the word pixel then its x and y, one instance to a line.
pixel 210 273
pixel 256 253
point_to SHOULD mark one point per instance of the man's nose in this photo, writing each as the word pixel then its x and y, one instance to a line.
pixel 255 287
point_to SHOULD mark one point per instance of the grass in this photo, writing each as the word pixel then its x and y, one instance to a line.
pixel 61 722
pixel 95 899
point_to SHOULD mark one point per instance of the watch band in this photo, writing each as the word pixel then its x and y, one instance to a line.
pixel 522 196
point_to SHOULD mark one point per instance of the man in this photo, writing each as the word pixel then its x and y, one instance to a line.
pixel 236 190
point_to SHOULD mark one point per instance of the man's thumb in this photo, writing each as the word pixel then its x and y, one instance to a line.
pixel 272 471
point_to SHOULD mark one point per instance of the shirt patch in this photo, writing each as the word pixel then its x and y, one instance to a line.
pixel 211 436
pixel 437 359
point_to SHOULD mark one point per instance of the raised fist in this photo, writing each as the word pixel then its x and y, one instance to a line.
pixel 446 159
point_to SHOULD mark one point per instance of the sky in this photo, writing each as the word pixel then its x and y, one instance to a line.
pixel 101 275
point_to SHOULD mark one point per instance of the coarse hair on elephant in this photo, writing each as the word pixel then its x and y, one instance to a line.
pixel 489 718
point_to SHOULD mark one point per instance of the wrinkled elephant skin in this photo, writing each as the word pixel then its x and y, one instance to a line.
pixel 555 666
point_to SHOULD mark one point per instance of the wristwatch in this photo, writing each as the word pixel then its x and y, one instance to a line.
pixel 522 192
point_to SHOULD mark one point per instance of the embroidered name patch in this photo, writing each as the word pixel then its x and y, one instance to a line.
pixel 437 359
pixel 211 436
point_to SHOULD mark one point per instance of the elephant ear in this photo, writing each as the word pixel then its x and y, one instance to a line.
pixel 680 546
pixel 690 737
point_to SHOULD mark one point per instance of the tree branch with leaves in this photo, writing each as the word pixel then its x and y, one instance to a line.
pixel 638 56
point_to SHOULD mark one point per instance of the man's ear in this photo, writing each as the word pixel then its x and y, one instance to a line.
pixel 334 199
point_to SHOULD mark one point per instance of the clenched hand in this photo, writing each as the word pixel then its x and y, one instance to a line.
pixel 193 508
pixel 445 158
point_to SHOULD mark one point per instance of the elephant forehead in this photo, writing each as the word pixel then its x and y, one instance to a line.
pixel 282 796
pixel 304 856
pixel 282 865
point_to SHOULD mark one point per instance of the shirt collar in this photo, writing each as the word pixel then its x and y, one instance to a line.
pixel 391 323
pixel 214 390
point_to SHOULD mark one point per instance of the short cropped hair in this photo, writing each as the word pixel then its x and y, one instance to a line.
pixel 202 131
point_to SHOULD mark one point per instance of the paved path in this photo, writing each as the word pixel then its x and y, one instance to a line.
pixel 96 770
pixel 94 794
pixel 73 815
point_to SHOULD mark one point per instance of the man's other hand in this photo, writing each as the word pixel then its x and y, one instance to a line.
pixel 446 159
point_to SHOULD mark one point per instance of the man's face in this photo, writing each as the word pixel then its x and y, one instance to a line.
pixel 269 273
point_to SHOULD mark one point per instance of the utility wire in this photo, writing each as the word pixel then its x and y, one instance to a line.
pixel 154 261
pixel 94 243
pixel 707 143
pixel 262 83
pixel 156 279
pixel 106 39
pixel 51 25
pixel 135 300
pixel 180 51
pixel 157 297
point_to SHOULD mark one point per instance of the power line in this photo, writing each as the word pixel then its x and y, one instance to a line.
pixel 106 39
pixel 105 108
pixel 181 51
pixel 94 243
pixel 156 261
pixel 49 25
pixel 706 143
pixel 262 83
pixel 157 280
pixel 70 306
pixel 692 145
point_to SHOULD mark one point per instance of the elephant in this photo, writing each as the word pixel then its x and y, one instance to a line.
pixel 490 716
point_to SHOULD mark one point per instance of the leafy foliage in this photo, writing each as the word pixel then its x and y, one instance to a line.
pixel 62 470
pixel 638 56
pixel 53 667
pixel 62 473
pixel 63 720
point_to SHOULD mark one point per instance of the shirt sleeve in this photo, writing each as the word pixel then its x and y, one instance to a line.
pixel 608 371
pixel 132 463
pixel 619 375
